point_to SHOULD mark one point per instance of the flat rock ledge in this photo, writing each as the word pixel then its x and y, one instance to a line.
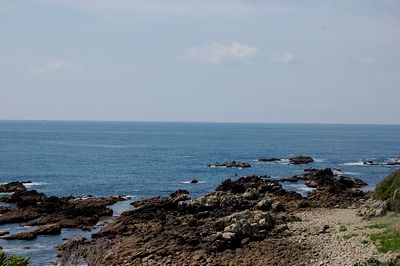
pixel 50 213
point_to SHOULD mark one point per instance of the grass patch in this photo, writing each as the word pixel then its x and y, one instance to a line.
pixel 375 262
pixel 342 228
pixel 387 241
pixel 385 190
pixel 348 236
pixel 378 225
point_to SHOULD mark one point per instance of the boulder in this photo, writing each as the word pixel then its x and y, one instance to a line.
pixel 27 198
pixel 301 160
pixel 12 187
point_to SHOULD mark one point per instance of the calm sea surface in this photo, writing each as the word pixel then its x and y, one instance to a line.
pixel 144 159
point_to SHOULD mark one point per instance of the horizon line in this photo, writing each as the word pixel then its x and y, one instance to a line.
pixel 199 122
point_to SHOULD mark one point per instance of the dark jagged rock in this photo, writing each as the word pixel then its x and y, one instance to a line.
pixel 179 192
pixel 194 181
pixel 320 178
pixel 75 212
pixel 331 192
pixel 12 187
pixel 269 159
pixel 238 213
pixel 18 215
pixel 231 164
pixel 301 160
pixel 27 198
pixel 39 210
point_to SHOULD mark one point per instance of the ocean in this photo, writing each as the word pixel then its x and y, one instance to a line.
pixel 144 159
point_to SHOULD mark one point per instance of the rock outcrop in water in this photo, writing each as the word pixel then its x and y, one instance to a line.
pixel 301 160
pixel 12 187
pixel 273 159
pixel 230 164
pixel 236 216
pixel 53 213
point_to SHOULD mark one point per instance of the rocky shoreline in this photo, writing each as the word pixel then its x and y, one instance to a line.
pixel 49 214
pixel 251 220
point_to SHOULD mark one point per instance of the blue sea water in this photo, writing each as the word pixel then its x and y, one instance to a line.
pixel 144 159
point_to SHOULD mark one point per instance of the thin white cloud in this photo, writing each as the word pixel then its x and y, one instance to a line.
pixel 368 60
pixel 127 10
pixel 216 53
pixel 392 2
pixel 283 57
pixel 56 65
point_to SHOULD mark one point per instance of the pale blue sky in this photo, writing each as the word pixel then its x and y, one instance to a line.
pixel 201 60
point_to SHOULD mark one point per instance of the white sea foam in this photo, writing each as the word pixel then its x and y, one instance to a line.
pixel 31 184
pixel 355 164
pixel 190 181
pixel 282 161
pixel 338 172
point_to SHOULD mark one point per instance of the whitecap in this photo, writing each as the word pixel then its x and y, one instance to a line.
pixel 190 182
pixel 30 184
pixel 355 164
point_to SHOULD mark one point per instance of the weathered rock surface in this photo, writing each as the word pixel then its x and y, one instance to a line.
pixel 301 160
pixel 37 209
pixel 12 187
pixel 230 164
pixel 50 229
pixel 236 216
pixel 333 192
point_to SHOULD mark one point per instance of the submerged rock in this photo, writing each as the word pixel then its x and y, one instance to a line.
pixel 269 159
pixel 50 229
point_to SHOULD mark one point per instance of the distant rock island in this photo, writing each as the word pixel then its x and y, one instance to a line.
pixel 230 164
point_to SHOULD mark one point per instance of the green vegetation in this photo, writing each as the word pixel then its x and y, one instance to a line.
pixel 13 260
pixel 378 225
pixel 389 190
pixel 387 241
pixel 342 228
pixel 348 236
pixel 388 236
pixel 375 262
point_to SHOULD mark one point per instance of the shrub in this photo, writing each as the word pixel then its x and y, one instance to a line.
pixel 13 260
pixel 389 190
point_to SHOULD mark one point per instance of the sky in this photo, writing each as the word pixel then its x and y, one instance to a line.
pixel 311 61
